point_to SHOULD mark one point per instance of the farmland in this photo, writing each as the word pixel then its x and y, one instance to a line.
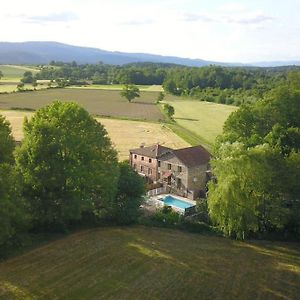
pixel 14 73
pixel 119 87
pixel 97 102
pixel 205 119
pixel 125 134
pixel 148 263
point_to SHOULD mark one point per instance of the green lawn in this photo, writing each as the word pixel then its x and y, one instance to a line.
pixel 144 263
pixel 205 119
pixel 14 73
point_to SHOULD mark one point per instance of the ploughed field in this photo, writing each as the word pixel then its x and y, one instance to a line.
pixel 125 134
pixel 151 263
pixel 97 102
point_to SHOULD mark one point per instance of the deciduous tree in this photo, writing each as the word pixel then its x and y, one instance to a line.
pixel 130 92
pixel 68 165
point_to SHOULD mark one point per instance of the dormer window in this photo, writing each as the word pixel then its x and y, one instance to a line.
pixel 143 158
pixel 150 160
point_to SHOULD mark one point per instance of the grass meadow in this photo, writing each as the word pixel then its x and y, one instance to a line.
pixel 204 119
pixel 125 134
pixel 15 73
pixel 151 263
pixel 97 102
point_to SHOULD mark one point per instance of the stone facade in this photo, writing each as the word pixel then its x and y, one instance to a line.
pixel 182 171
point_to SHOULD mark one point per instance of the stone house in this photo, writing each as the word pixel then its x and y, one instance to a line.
pixel 182 171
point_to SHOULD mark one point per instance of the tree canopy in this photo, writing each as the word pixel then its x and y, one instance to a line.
pixel 130 92
pixel 7 143
pixel 68 164
pixel 257 166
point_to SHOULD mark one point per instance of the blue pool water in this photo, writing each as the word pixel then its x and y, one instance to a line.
pixel 169 200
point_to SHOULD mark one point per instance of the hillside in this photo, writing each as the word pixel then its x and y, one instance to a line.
pixel 148 263
pixel 44 52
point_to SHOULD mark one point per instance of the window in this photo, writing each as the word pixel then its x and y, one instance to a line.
pixel 158 176
pixel 149 171
pixel 134 166
pixel 169 166
pixel 159 163
pixel 135 156
pixel 150 160
pixel 142 157
pixel 179 168
pixel 142 168
pixel 178 183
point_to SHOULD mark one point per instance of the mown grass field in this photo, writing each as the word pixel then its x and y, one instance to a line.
pixel 14 73
pixel 125 134
pixel 97 102
pixel 149 263
pixel 205 119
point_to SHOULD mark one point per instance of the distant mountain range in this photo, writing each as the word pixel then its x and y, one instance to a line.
pixel 44 52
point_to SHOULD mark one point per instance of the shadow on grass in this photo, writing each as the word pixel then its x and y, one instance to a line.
pixel 153 263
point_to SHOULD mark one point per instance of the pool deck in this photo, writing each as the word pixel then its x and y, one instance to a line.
pixel 157 201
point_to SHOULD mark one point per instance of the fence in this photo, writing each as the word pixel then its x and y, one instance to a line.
pixel 156 192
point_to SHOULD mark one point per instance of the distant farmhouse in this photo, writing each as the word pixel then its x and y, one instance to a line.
pixel 182 171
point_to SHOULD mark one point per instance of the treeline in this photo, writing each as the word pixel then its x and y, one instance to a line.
pixel 65 173
pixel 227 85
pixel 257 167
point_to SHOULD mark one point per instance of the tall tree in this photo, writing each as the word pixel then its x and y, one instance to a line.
pixel 257 167
pixel 7 143
pixel 68 164
pixel 130 92
pixel 131 188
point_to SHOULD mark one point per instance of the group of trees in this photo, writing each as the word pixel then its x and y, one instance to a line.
pixel 227 85
pixel 66 171
pixel 257 166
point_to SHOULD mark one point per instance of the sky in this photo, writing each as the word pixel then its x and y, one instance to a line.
pixel 217 30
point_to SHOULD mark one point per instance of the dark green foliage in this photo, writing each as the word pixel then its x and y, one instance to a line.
pixel 166 217
pixel 27 77
pixel 7 143
pixel 130 92
pixel 169 110
pixel 257 162
pixel 13 215
pixel 131 188
pixel 160 97
pixel 13 218
pixel 68 165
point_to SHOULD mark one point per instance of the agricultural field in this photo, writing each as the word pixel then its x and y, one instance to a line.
pixel 119 87
pixel 97 102
pixel 205 119
pixel 151 263
pixel 124 134
pixel 15 73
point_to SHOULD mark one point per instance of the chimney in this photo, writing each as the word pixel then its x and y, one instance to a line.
pixel 142 145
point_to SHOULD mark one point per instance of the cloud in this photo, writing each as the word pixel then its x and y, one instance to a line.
pixel 189 17
pixel 138 22
pixel 65 16
pixel 245 20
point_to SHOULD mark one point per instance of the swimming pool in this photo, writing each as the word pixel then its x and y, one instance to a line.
pixel 170 200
